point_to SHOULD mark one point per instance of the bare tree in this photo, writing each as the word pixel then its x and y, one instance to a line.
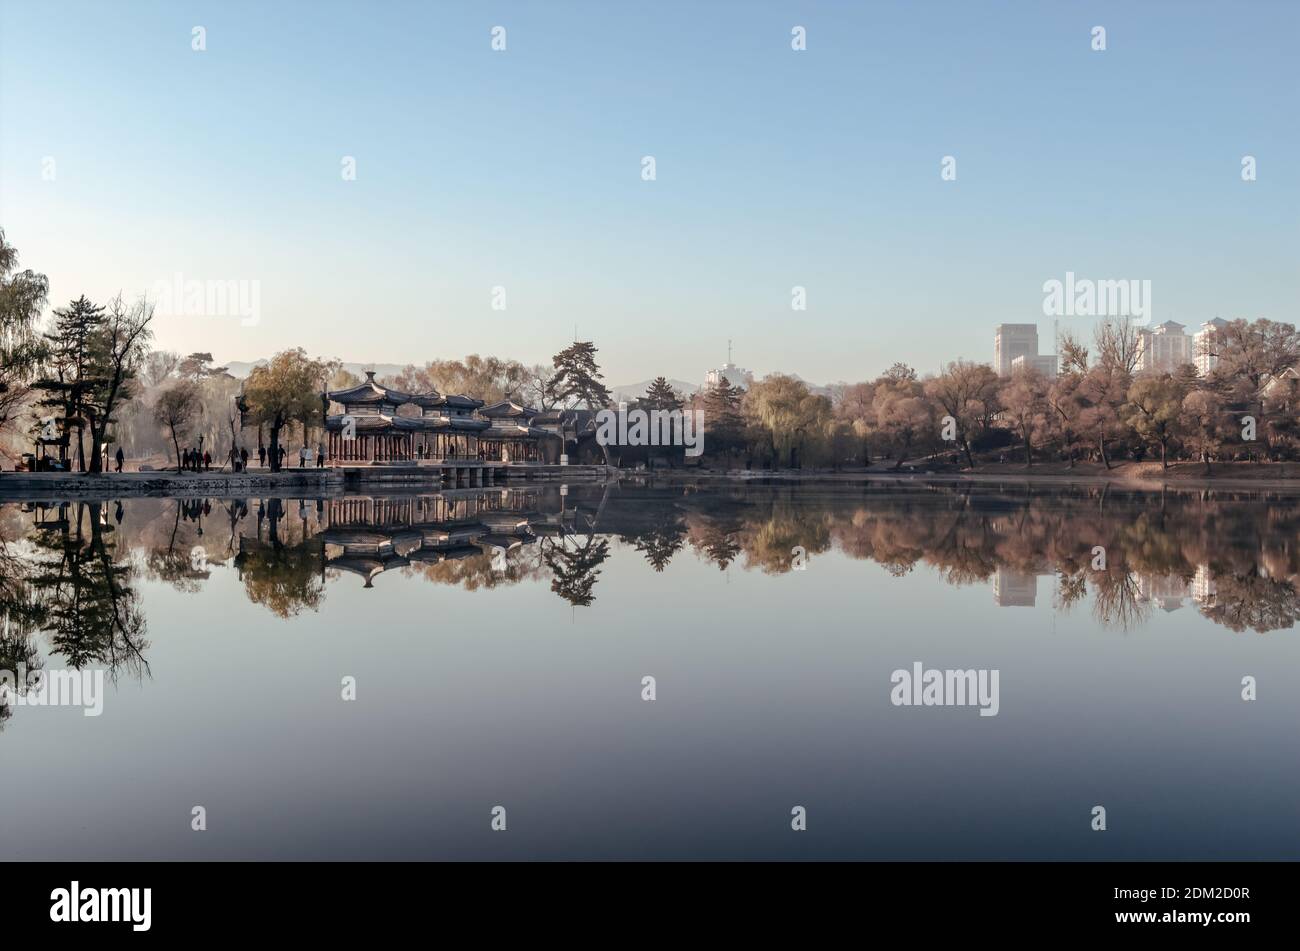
pixel 120 350
pixel 537 389
pixel 1074 355
pixel 158 366
pixel 968 393
pixel 177 410
pixel 1119 345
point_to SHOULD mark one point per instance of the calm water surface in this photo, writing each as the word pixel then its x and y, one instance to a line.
pixel 498 640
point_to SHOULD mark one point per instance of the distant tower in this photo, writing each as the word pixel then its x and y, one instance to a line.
pixel 736 376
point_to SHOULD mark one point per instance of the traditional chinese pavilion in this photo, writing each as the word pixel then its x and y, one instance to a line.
pixel 379 424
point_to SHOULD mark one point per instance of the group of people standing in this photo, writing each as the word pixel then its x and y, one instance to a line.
pixel 196 461
pixel 192 460
pixel 305 457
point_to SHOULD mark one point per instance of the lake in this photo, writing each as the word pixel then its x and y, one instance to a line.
pixel 371 677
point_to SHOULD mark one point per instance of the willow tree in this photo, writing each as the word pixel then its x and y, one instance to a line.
pixel 286 390
pixel 22 296
pixel 790 414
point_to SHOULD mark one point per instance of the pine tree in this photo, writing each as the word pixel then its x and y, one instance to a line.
pixel 198 367
pixel 70 371
pixel 578 380
pixel 660 395
pixel 724 426
pixel 118 349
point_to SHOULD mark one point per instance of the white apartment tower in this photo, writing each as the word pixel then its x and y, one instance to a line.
pixel 1164 348
pixel 1203 347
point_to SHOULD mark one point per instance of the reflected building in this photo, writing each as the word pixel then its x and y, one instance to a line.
pixel 367 536
pixel 1014 589
pixel 1203 587
pixel 1165 591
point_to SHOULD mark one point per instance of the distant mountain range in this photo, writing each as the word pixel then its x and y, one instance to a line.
pixel 634 391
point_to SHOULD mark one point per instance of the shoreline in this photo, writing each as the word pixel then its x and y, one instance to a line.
pixel 1129 476
pixel 325 483
pixel 322 483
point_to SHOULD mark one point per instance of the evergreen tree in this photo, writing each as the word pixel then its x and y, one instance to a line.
pixel 118 351
pixel 660 395
pixel 578 380
pixel 70 371
pixel 724 426
pixel 198 367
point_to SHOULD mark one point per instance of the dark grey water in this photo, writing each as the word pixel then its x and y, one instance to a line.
pixel 498 642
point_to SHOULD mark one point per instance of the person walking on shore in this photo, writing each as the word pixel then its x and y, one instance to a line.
pixel 261 457
pixel 121 456
pixel 281 454
pixel 243 458
pixel 207 461
pixel 320 455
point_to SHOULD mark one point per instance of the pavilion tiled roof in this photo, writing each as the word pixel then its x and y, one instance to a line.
pixel 368 391
pixel 381 422
pixel 508 409
pixel 501 430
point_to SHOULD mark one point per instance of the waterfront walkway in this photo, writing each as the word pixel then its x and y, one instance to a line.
pixel 327 481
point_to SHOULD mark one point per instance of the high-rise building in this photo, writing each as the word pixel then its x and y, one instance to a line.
pixel 1011 341
pixel 1046 365
pixel 1203 346
pixel 736 376
pixel 1164 347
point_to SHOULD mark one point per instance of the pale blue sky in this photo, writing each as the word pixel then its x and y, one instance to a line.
pixel 775 168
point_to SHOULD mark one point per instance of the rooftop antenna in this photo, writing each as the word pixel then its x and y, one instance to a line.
pixel 728 350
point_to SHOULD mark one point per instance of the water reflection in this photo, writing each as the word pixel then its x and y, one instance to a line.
pixel 68 570
pixel 70 580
